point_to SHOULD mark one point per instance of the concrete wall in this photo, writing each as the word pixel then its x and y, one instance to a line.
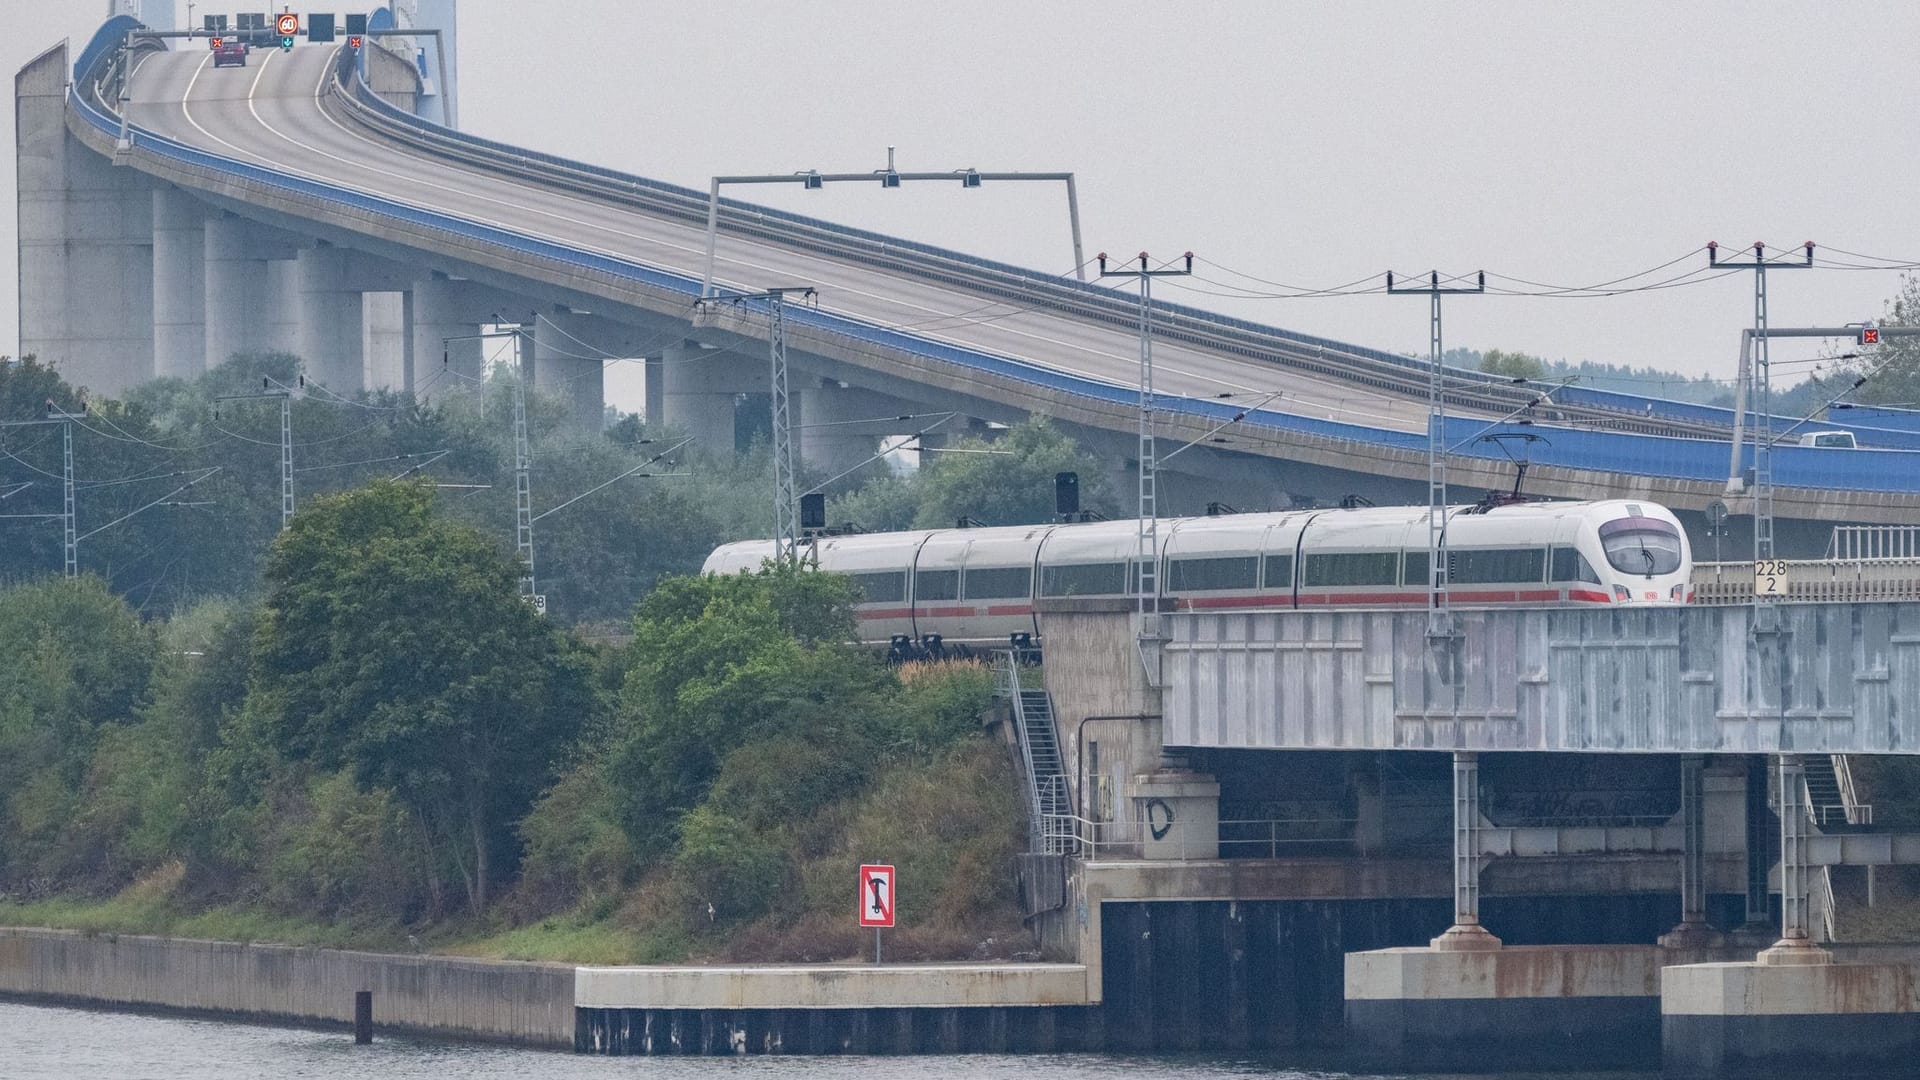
pixel 506 1002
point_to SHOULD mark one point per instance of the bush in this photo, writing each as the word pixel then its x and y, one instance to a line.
pixel 575 850
pixel 736 870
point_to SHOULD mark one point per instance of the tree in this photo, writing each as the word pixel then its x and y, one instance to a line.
pixel 75 663
pixel 1009 481
pixel 394 643
pixel 1894 364
pixel 1513 365
pixel 719 662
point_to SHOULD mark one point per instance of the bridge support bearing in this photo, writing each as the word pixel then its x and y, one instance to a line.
pixel 331 323
pixel 179 284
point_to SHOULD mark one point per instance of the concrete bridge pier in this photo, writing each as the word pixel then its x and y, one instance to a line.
pixel 248 267
pixel 570 354
pixel 699 390
pixel 331 320
pixel 86 240
pixel 385 341
pixel 840 426
pixel 179 284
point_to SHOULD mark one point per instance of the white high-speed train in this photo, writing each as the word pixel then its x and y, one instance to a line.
pixel 976 587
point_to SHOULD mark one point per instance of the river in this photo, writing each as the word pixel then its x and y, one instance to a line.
pixel 40 1043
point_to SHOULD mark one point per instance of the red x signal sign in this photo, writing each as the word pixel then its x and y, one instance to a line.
pixel 1869 335
pixel 876 895
pixel 215 43
pixel 353 42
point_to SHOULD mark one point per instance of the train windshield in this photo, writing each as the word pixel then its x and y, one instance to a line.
pixel 1640 545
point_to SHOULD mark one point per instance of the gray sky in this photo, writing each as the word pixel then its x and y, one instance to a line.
pixel 1307 144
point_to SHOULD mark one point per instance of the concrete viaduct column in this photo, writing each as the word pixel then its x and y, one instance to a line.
pixel 331 315
pixel 1466 932
pixel 179 284
pixel 86 243
pixel 443 321
pixel 385 340
pixel 699 388
pixel 569 364
pixel 841 426
pixel 248 270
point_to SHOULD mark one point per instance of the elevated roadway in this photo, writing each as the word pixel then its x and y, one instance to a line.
pixel 300 141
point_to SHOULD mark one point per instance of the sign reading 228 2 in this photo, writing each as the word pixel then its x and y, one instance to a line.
pixel 1770 577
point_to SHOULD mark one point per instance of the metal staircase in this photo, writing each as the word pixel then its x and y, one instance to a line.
pixel 1825 801
pixel 1049 801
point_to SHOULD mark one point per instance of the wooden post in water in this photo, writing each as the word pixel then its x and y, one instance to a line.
pixel 362 1017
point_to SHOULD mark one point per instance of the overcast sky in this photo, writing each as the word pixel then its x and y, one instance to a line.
pixel 1310 145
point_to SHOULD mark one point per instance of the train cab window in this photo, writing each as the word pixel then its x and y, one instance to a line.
pixel 936 585
pixel 999 583
pixel 1279 572
pixel 1641 545
pixel 1353 568
pixel 1570 565
pixel 887 588
pixel 1200 575
pixel 1084 579
pixel 1471 566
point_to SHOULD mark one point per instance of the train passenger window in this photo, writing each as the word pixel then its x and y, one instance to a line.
pixel 1279 572
pixel 1199 575
pixel 1085 579
pixel 936 585
pixel 999 582
pixel 1570 565
pixel 1353 568
pixel 1641 545
pixel 1471 566
pixel 887 588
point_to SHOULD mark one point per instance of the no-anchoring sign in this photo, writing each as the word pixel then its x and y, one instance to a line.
pixel 876 896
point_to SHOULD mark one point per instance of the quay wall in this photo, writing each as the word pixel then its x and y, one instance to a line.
pixel 494 1001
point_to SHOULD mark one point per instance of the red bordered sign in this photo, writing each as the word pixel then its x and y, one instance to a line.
pixel 288 25
pixel 876 895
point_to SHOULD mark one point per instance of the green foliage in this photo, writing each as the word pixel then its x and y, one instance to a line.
pixel 1011 488
pixel 722 661
pixel 1512 365
pixel 341 850
pixel 1893 366
pixel 735 869
pixel 394 644
pixel 575 848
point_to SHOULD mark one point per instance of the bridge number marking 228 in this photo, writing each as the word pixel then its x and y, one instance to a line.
pixel 876 895
pixel 1770 577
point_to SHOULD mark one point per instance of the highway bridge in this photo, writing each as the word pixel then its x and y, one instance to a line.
pixel 174 210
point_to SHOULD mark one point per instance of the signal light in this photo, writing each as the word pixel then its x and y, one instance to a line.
pixel 215 43
pixel 1066 493
pixel 1869 335
pixel 353 42
pixel 813 512
pixel 286 44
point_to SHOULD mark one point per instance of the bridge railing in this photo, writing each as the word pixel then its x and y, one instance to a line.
pixel 1813 581
pixel 1666 457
